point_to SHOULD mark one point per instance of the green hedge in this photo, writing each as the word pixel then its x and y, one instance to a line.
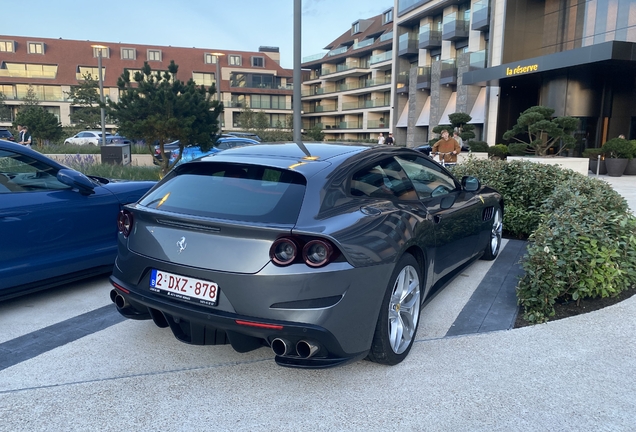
pixel 582 242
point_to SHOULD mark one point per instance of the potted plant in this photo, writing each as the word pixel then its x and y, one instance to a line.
pixel 593 154
pixel 631 165
pixel 618 152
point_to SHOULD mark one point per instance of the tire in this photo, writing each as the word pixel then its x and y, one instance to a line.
pixel 399 314
pixel 494 243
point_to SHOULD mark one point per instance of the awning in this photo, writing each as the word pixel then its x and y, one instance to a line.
pixel 478 113
pixel 403 121
pixel 425 116
pixel 451 108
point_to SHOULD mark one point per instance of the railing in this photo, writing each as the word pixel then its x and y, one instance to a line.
pixel 407 43
pixel 424 77
pixel 337 51
pixel 350 125
pixel 376 124
pixel 386 36
pixel 321 108
pixel 378 58
pixel 371 103
pixel 342 67
pixel 478 59
pixel 448 73
pixel 454 27
pixel 429 38
pixel 313 57
pixel 364 43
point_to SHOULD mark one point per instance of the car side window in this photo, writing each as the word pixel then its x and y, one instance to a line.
pixel 384 179
pixel 429 179
pixel 20 173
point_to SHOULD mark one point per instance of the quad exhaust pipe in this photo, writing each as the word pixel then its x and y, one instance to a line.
pixel 304 349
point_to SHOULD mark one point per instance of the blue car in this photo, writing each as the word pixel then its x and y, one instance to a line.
pixel 57 225
pixel 223 143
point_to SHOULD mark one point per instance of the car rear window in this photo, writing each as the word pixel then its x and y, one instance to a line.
pixel 248 193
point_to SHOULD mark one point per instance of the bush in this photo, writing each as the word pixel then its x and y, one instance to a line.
pixel 499 151
pixel 88 165
pixel 618 148
pixel 584 247
pixel 478 146
pixel 592 153
pixel 519 149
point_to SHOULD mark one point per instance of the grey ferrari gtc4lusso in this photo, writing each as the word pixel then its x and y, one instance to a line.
pixel 324 254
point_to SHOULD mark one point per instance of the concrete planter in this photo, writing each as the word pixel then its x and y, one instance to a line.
pixel 580 165
pixel 616 167
pixel 631 167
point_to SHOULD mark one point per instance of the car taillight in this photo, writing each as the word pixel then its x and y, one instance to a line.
pixel 125 222
pixel 283 252
pixel 315 252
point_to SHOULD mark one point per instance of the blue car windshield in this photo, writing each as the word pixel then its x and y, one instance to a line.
pixel 249 193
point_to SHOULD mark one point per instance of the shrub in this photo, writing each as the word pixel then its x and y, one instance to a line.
pixel 618 148
pixel 584 247
pixel 519 149
pixel 592 153
pixel 499 151
pixel 478 146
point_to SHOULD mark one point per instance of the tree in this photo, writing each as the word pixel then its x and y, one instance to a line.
pixel 543 131
pixel 86 98
pixel 159 108
pixel 316 133
pixel 459 123
pixel 43 125
pixel 5 111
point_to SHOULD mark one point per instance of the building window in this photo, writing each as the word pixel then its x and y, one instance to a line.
pixel 7 46
pixel 128 54
pixel 355 28
pixel 154 55
pixel 210 58
pixel 35 47
pixel 83 72
pixel 388 16
pixel 235 60
pixel 104 50
pixel 204 79
pixel 27 70
pixel 258 61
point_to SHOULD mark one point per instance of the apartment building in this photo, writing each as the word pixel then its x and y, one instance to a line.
pixel 52 66
pixel 493 59
pixel 347 90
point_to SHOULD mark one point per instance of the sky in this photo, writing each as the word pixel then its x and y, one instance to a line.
pixel 241 25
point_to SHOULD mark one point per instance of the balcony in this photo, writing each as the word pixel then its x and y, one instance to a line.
pixel 350 125
pixel 371 103
pixel 408 45
pixel 379 58
pixel 481 16
pixel 448 72
pixel 376 124
pixel 454 28
pixel 364 43
pixel 402 83
pixel 386 36
pixel 313 57
pixel 424 78
pixel 478 60
pixel 343 67
pixel 429 38
pixel 337 51
pixel 320 108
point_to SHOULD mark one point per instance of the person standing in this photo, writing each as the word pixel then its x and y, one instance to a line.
pixel 448 147
pixel 459 140
pixel 381 138
pixel 25 139
pixel 20 135
pixel 389 140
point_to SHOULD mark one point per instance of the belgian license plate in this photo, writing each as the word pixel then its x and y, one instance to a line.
pixel 184 288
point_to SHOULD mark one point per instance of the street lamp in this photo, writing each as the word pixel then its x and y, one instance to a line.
pixel 218 56
pixel 101 90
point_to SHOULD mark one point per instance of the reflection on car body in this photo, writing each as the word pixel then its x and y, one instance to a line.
pixel 324 258
pixel 57 224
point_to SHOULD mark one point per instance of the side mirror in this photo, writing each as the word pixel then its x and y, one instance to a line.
pixel 76 180
pixel 470 184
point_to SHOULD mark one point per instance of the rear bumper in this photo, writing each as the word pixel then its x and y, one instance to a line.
pixel 254 310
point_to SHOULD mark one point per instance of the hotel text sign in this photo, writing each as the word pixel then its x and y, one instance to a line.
pixel 522 70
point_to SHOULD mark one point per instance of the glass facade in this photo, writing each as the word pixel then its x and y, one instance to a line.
pixel 28 70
